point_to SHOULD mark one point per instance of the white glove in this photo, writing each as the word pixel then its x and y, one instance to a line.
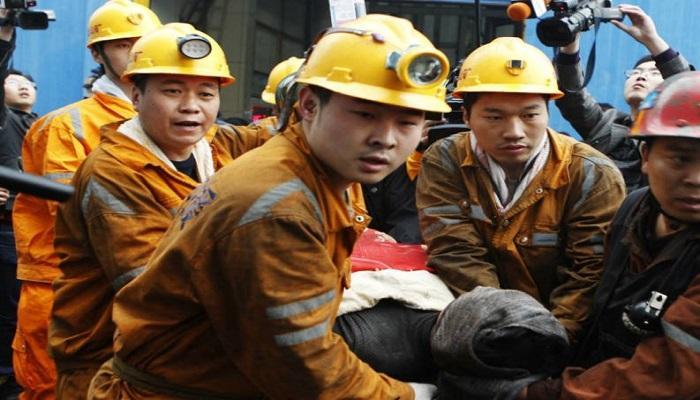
pixel 423 391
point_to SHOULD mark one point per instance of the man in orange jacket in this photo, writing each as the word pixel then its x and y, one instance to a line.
pixel 128 187
pixel 239 299
pixel 54 147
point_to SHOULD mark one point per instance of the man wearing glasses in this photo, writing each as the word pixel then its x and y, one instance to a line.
pixel 608 130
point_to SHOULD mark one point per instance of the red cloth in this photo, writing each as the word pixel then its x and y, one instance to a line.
pixel 372 252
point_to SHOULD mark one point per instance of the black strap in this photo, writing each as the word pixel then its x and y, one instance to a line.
pixel 156 384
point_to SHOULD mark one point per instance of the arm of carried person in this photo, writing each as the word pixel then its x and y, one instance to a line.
pixel 279 292
pixel 597 192
pixel 662 367
pixel 455 247
pixel 124 221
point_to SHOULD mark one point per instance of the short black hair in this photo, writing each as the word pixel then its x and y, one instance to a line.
pixel 323 94
pixel 140 80
pixel 13 71
pixel 643 59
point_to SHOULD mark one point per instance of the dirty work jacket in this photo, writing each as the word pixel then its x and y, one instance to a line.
pixel 606 130
pixel 549 244
pixel 665 365
pixel 54 147
pixel 239 299
pixel 125 199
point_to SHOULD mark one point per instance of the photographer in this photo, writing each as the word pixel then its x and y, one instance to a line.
pixel 19 95
pixel 607 130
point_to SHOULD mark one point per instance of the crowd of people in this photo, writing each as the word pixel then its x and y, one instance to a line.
pixel 323 252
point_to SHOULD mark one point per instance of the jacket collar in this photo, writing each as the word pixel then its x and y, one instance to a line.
pixel 124 109
pixel 341 211
pixel 553 175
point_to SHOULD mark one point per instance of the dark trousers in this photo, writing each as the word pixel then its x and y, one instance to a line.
pixel 392 339
pixel 9 294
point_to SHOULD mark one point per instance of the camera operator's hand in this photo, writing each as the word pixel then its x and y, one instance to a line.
pixel 4 195
pixel 5 30
pixel 642 29
pixel 573 47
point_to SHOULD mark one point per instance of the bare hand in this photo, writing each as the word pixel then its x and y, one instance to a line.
pixel 4 195
pixel 7 30
pixel 642 29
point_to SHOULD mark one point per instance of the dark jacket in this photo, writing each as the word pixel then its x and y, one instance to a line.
pixel 391 203
pixel 607 130
pixel 666 363
pixel 13 124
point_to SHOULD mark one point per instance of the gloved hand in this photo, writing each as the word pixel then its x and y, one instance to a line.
pixel 424 391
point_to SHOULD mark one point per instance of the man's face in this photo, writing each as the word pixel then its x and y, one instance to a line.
pixel 508 126
pixel 673 168
pixel 361 141
pixel 176 111
pixel 643 79
pixel 117 51
pixel 19 92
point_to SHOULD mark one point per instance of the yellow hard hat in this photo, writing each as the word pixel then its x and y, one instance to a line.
pixel 120 19
pixel 508 65
pixel 281 71
pixel 379 58
pixel 179 49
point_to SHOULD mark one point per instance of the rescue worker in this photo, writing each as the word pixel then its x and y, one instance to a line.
pixel 644 336
pixel 608 130
pixel 513 204
pixel 54 147
pixel 279 82
pixel 239 299
pixel 128 188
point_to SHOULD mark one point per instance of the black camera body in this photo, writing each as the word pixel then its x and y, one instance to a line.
pixel 573 16
pixel 20 15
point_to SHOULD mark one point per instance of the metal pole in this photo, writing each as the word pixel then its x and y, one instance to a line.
pixel 477 5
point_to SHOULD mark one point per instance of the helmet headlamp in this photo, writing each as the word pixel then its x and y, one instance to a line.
pixel 194 46
pixel 419 68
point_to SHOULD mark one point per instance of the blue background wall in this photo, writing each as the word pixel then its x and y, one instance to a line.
pixel 57 57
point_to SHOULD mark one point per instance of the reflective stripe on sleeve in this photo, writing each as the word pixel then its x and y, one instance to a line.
pixel 301 336
pixel 680 336
pixel 57 176
pixel 77 123
pixel 102 194
pixel 264 204
pixel 301 306
pixel 449 209
pixel 126 277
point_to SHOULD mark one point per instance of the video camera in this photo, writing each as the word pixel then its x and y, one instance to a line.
pixel 570 17
pixel 573 16
pixel 20 16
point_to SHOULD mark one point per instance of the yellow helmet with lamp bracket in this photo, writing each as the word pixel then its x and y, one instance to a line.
pixel 179 49
pixel 379 58
pixel 508 65
pixel 120 19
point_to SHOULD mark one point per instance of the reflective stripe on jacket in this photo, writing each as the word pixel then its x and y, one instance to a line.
pixel 125 200
pixel 549 244
pixel 240 297
pixel 54 147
